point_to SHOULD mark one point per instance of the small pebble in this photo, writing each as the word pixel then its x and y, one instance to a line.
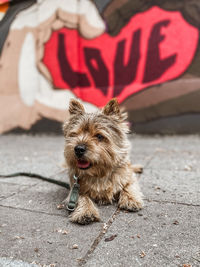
pixel 142 254
pixel 75 246
pixel 64 232
pixel 157 187
pixel 18 237
pixel 187 168
pixel 60 206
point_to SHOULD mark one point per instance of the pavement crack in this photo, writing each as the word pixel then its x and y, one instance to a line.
pixel 33 211
pixel 25 187
pixel 82 261
pixel 196 259
pixel 150 159
pixel 11 183
pixel 3 198
pixel 171 202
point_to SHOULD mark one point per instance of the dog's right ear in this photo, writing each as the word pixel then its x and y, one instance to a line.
pixel 75 107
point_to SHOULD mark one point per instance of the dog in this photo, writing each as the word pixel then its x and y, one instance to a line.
pixel 97 155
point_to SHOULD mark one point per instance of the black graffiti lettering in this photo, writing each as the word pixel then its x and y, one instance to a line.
pixel 125 74
pixel 99 72
pixel 155 66
pixel 72 78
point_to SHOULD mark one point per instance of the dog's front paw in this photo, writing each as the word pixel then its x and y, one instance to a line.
pixel 84 218
pixel 130 203
pixel 85 212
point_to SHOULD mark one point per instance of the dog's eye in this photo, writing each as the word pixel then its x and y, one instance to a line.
pixel 72 134
pixel 99 137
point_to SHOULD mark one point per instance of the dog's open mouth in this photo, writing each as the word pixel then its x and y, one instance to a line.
pixel 83 164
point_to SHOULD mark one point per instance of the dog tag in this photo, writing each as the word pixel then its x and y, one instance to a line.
pixel 73 199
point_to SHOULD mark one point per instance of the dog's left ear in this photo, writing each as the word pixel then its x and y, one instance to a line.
pixel 75 107
pixel 112 109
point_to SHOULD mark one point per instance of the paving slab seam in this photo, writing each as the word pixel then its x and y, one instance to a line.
pixel 169 169
pixel 84 259
pixel 33 211
pixel 171 202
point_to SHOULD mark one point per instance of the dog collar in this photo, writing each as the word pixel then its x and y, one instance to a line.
pixel 73 199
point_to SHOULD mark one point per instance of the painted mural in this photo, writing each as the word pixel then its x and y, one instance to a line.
pixel 144 53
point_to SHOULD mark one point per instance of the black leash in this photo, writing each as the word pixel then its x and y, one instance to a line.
pixel 37 176
pixel 74 194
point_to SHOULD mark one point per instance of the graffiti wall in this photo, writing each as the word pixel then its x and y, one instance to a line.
pixel 144 53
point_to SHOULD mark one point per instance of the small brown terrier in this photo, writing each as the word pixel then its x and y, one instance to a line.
pixel 97 152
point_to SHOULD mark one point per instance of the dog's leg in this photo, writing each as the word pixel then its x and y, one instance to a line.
pixel 85 212
pixel 131 197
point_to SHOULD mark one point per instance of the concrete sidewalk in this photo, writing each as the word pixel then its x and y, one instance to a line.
pixel 34 232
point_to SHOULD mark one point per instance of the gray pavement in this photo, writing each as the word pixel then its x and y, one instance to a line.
pixel 34 232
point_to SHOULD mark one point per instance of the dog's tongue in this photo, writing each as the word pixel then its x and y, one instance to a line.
pixel 83 164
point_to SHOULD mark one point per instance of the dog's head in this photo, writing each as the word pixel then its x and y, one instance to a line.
pixel 95 142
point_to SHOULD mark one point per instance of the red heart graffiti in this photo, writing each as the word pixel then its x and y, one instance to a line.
pixel 154 47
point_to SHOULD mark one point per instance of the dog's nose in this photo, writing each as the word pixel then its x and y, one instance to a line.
pixel 80 150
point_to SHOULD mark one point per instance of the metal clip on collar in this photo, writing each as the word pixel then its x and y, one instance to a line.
pixel 73 199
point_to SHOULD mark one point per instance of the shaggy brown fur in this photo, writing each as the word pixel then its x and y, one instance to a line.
pixel 97 152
